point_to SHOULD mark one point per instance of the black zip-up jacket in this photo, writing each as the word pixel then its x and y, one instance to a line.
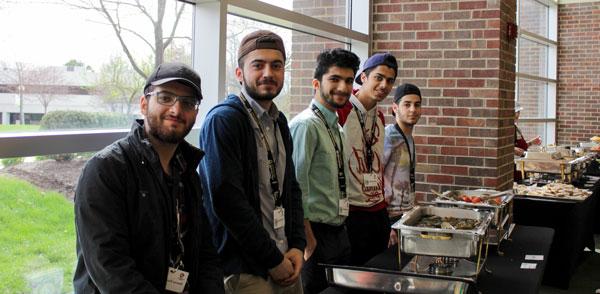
pixel 230 182
pixel 125 215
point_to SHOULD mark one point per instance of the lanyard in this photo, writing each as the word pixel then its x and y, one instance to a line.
pixel 338 152
pixel 518 131
pixel 368 151
pixel 179 194
pixel 272 167
pixel 412 166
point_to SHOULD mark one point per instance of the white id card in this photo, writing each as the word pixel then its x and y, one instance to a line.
pixel 371 180
pixel 278 217
pixel 176 280
pixel 344 207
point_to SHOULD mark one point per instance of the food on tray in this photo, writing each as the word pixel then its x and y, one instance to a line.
pixel 553 190
pixel 595 139
pixel 595 148
pixel 434 221
pixel 483 198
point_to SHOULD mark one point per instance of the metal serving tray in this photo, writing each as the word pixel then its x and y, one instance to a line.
pixel 392 281
pixel 569 169
pixel 502 213
pixel 499 210
pixel 441 242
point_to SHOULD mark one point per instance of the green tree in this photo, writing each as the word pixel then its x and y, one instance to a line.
pixel 118 84
pixel 74 62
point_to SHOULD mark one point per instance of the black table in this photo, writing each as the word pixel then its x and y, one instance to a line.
pixel 573 223
pixel 506 275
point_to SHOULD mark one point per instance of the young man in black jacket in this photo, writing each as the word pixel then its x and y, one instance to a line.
pixel 253 200
pixel 138 205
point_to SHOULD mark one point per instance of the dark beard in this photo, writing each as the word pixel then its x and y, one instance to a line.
pixel 171 138
pixel 254 94
pixel 327 98
pixel 159 134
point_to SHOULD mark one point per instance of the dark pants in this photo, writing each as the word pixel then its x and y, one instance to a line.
pixel 333 247
pixel 369 233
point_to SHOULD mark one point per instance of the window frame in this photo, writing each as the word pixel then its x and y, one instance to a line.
pixel 208 58
pixel 550 78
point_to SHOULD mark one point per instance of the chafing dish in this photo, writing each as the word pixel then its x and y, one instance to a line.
pixel 441 242
pixel 569 169
pixel 394 282
pixel 501 209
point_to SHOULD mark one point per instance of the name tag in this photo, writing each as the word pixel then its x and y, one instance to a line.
pixel 371 180
pixel 344 207
pixel 176 280
pixel 278 218
pixel 528 265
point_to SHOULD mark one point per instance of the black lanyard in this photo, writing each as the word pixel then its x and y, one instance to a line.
pixel 518 131
pixel 178 192
pixel 410 156
pixel 339 151
pixel 368 151
pixel 272 167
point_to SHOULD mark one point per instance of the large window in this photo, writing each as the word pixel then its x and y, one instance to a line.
pixel 536 68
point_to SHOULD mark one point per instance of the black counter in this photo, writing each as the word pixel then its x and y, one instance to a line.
pixel 573 223
pixel 506 275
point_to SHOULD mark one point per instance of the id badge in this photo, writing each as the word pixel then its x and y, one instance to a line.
pixel 176 280
pixel 344 207
pixel 278 218
pixel 371 180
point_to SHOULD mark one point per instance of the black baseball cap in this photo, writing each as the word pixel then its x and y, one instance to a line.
pixel 175 71
pixel 406 89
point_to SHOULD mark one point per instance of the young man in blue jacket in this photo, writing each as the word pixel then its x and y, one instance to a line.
pixel 253 199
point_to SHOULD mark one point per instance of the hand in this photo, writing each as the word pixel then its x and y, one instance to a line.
pixel 536 141
pixel 311 244
pixel 311 241
pixel 282 271
pixel 295 256
pixel 519 151
pixel 393 238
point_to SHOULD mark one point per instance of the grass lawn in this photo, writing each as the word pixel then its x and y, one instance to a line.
pixel 18 128
pixel 37 233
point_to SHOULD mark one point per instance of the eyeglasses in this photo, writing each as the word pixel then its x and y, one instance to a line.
pixel 169 99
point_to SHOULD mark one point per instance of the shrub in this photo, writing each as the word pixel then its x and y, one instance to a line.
pixel 12 161
pixel 67 119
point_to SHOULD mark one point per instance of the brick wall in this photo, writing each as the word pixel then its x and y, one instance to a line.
pixel 458 53
pixel 578 72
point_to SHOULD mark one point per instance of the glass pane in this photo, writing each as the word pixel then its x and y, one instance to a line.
pixel 533 17
pixel 533 98
pixel 301 49
pixel 70 59
pixel 531 130
pixel 533 58
pixel 332 11
pixel 38 231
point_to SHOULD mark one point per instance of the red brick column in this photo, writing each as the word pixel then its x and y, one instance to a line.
pixel 578 72
pixel 459 54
